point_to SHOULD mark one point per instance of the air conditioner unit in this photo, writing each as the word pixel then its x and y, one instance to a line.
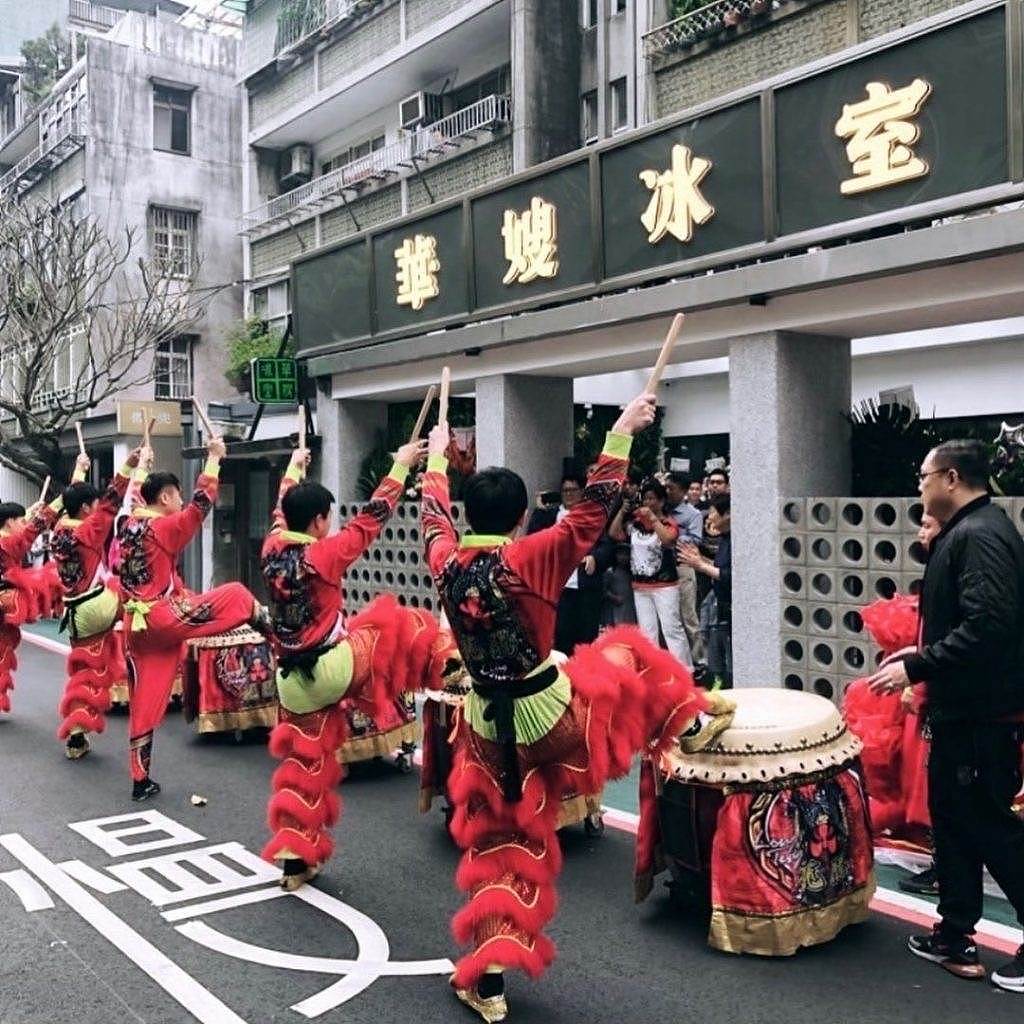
pixel 903 396
pixel 297 166
pixel 420 108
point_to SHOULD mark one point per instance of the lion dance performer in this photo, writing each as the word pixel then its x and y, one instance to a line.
pixel 160 613
pixel 322 661
pixel 25 594
pixel 529 729
pixel 92 605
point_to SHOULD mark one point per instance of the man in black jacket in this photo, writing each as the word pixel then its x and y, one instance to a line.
pixel 971 660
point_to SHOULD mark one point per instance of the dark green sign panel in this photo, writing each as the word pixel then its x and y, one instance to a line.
pixel 274 381
pixel 331 293
pixel 961 126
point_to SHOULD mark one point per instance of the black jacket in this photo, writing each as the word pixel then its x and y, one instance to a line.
pixel 972 608
pixel 603 551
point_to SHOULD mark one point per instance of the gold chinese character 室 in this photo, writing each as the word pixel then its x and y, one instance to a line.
pixel 881 133
pixel 417 263
pixel 677 204
pixel 531 242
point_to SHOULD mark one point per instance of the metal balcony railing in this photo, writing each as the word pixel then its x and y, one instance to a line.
pixel 705 22
pixel 302 19
pixel 423 143
pixel 62 144
pixel 93 14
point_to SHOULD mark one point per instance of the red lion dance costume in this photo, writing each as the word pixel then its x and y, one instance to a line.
pixel 323 666
pixel 895 755
pixel 25 594
pixel 91 610
pixel 530 730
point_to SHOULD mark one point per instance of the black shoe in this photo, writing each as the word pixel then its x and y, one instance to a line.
pixel 144 790
pixel 924 883
pixel 958 955
pixel 76 747
pixel 1010 977
pixel 700 672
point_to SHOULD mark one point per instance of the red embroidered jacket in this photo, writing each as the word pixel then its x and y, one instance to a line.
pixel 500 596
pixel 15 544
pixel 304 575
pixel 151 543
pixel 79 547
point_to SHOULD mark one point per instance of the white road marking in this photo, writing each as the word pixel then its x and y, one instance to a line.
pixel 108 839
pixel 82 872
pixel 180 986
pixel 32 895
pixel 241 899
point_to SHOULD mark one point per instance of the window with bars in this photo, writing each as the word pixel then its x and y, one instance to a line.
pixel 173 236
pixel 270 303
pixel 173 369
pixel 172 109
pixel 494 83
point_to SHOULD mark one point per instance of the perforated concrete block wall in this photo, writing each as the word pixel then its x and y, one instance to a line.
pixel 837 555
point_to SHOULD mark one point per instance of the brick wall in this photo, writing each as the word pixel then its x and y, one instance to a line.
pixel 278 250
pixel 460 174
pixel 421 14
pixel 880 16
pixel 371 39
pixel 377 207
pixel 286 91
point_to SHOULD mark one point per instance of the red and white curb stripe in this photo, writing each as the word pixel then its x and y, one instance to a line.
pixel 890 902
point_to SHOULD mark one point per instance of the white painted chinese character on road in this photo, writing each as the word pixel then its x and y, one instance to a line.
pixel 677 204
pixel 531 242
pixel 418 265
pixel 881 133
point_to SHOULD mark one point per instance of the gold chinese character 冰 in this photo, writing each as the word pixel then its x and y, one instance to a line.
pixel 881 133
pixel 531 242
pixel 417 271
pixel 677 204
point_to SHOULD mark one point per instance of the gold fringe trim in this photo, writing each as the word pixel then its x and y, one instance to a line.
pixel 783 934
pixel 119 693
pixel 366 748
pixel 575 808
pixel 229 721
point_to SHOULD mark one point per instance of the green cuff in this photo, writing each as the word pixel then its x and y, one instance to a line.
pixel 57 505
pixel 437 464
pixel 125 472
pixel 398 473
pixel 294 472
pixel 212 468
pixel 78 476
pixel 617 445
pixel 141 475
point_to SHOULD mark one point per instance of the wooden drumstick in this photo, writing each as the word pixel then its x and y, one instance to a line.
pixel 46 487
pixel 666 350
pixel 302 428
pixel 446 384
pixel 81 440
pixel 424 410
pixel 201 413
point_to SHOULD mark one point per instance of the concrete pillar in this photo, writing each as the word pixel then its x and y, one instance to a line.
pixel 525 424
pixel 788 438
pixel 349 429
pixel 545 80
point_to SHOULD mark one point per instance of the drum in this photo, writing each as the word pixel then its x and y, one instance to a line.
pixel 768 827
pixel 230 682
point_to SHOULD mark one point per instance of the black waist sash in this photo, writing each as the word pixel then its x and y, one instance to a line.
pixel 500 709
pixel 303 661
pixel 67 620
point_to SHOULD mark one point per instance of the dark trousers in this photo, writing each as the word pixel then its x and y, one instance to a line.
pixel 578 619
pixel 974 772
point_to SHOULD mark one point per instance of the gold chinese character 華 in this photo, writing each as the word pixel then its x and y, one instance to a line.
pixel 531 242
pixel 881 133
pixel 418 265
pixel 677 204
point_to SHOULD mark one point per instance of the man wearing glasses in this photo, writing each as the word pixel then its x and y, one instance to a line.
pixel 971 660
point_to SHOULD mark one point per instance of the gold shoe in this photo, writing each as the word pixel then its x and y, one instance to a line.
pixel 73 753
pixel 292 882
pixel 492 1009
pixel 708 725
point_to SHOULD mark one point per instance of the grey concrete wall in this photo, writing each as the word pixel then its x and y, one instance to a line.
pixel 276 251
pixel 525 424
pixel 375 208
pixel 787 396
pixel 545 79
pixel 479 166
pixel 348 430
pixel 126 175
pixel 369 40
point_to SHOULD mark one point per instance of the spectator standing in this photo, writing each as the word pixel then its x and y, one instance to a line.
pixel 971 660
pixel 695 496
pixel 652 540
pixel 718 483
pixel 717 608
pixel 691 531
pixel 618 608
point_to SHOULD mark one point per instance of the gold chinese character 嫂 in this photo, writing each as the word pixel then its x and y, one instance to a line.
pixel 417 271
pixel 677 204
pixel 881 133
pixel 531 242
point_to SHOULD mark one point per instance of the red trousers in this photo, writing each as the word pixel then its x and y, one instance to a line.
pixel 154 654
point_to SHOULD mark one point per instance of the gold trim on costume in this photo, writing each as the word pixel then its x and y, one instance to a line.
pixel 365 748
pixel 228 721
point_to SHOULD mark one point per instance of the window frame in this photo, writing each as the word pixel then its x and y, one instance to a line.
pixel 176 390
pixel 586 99
pixel 615 113
pixel 169 104
pixel 171 265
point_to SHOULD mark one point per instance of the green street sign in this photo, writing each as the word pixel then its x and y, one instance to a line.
pixel 274 381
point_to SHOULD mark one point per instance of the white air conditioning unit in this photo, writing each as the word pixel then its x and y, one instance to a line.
pixel 297 166
pixel 420 108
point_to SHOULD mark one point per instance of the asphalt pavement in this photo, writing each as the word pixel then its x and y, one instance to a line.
pixel 71 962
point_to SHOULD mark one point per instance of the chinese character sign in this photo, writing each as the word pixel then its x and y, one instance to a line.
pixel 677 205
pixel 531 242
pixel 881 132
pixel 417 266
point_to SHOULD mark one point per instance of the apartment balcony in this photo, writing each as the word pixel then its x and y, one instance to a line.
pixel 424 145
pixel 43 158
pixel 94 16
pixel 716 20
pixel 304 23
